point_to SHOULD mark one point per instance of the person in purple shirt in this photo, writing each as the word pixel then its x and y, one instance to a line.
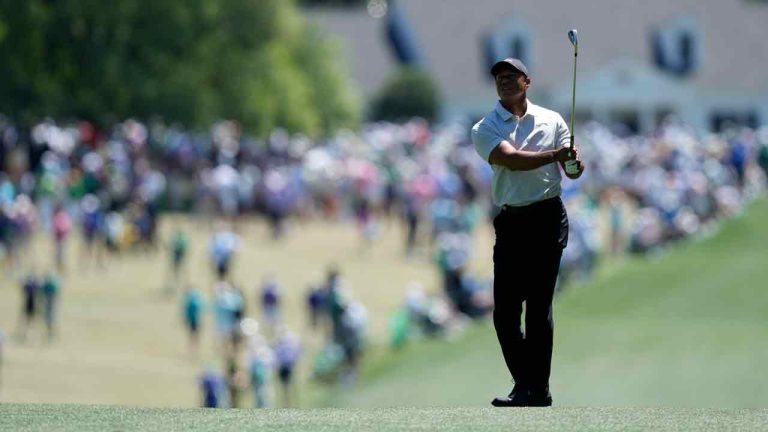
pixel 211 385
pixel 315 304
pixel 93 231
pixel 270 301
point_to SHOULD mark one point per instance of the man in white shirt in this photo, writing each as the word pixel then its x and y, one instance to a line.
pixel 524 143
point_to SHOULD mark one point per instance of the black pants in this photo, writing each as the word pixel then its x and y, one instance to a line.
pixel 526 259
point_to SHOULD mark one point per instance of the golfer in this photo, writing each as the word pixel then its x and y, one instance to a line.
pixel 524 143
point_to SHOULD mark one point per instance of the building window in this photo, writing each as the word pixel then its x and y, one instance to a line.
pixel 401 37
pixel 625 122
pixel 676 47
pixel 518 48
pixel 513 39
pixel 662 115
pixel 721 120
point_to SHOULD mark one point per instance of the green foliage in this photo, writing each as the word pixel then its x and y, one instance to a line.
pixel 335 3
pixel 188 62
pixel 408 93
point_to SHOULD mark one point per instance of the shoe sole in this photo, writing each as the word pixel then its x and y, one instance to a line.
pixel 506 405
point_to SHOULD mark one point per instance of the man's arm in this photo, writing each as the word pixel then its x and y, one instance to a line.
pixel 518 160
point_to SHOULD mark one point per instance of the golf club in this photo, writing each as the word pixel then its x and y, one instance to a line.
pixel 572 167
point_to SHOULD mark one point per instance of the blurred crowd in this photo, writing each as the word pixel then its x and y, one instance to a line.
pixel 261 355
pixel 112 183
pixel 638 195
pixel 642 193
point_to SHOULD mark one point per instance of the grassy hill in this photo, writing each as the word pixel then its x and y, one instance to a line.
pixel 80 418
pixel 685 328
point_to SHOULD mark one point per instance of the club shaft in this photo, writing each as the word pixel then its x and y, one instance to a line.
pixel 573 94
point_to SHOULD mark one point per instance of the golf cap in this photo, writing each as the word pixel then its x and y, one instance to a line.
pixel 513 62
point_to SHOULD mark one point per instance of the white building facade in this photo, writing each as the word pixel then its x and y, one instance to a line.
pixel 702 61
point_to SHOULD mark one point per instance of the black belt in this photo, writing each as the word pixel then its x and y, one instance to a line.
pixel 508 209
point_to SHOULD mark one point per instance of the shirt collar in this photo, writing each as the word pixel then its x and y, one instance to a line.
pixel 506 115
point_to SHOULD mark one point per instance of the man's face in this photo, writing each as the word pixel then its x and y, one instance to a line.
pixel 511 83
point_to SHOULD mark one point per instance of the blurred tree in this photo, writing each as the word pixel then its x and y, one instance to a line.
pixel 190 62
pixel 407 93
pixel 333 2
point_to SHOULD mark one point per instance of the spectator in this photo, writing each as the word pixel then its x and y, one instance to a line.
pixel 228 311
pixel 235 380
pixel 211 388
pixel 352 340
pixel 762 152
pixel 194 305
pixel 2 357
pixel 62 225
pixel 315 304
pixel 51 288
pixel 270 301
pixel 287 354
pixel 178 249
pixel 30 289
pixel 93 227
pixel 224 244
pixel 261 363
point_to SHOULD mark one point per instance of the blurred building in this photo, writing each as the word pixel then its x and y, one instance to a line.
pixel 705 61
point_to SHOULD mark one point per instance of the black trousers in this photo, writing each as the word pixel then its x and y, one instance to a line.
pixel 526 260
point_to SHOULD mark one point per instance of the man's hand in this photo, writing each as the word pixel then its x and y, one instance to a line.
pixel 565 154
pixel 570 162
pixel 573 168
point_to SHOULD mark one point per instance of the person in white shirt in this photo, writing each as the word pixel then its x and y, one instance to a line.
pixel 525 143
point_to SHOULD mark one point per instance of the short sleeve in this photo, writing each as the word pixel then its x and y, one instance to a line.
pixel 562 134
pixel 485 139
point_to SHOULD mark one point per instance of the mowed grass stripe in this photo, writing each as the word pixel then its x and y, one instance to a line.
pixel 80 418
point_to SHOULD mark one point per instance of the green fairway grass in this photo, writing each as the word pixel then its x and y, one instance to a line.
pixel 24 418
pixel 684 328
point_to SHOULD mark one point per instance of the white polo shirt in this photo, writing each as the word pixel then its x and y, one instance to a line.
pixel 538 130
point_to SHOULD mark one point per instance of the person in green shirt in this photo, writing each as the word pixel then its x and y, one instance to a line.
pixel 193 308
pixel 762 157
pixel 179 247
pixel 50 290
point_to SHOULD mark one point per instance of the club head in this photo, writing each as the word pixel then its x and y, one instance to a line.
pixel 574 37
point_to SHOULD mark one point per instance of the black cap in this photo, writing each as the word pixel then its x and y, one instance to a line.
pixel 513 62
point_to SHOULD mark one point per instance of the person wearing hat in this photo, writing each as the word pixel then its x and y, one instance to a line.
pixel 525 143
